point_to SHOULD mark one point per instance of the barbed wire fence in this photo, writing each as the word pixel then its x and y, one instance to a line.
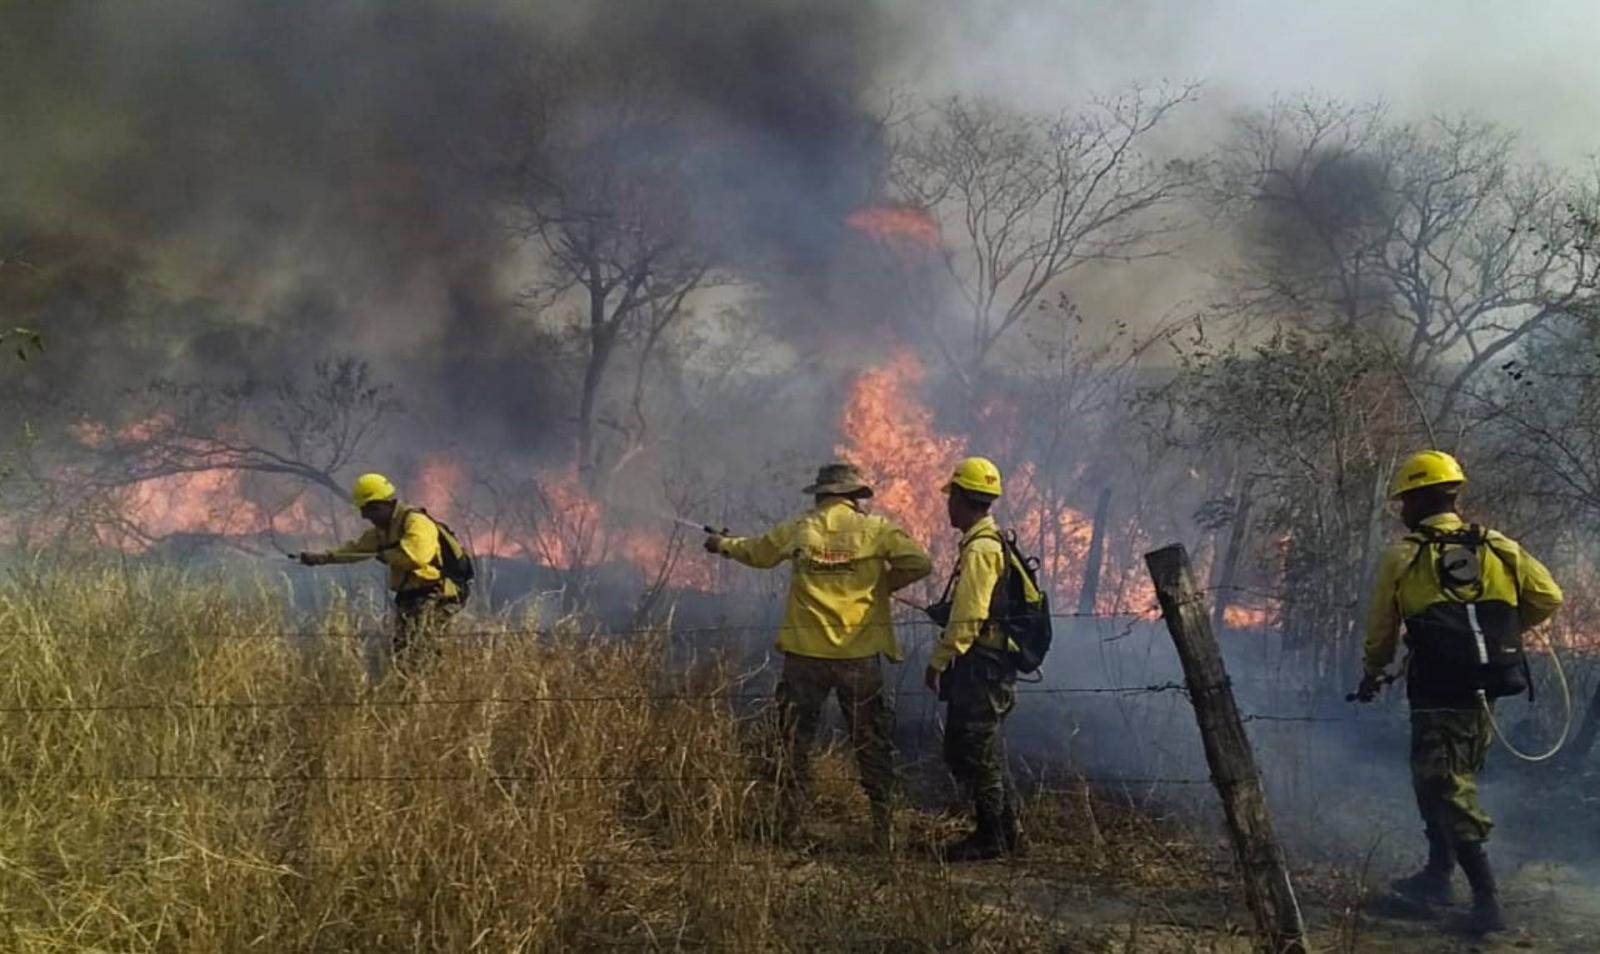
pixel 1114 630
pixel 503 634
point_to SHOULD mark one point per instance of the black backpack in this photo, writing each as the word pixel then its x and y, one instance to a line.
pixel 455 563
pixel 1472 644
pixel 1018 607
pixel 1021 608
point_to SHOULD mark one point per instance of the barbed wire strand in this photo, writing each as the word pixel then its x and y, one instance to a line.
pixel 660 629
pixel 243 778
pixel 168 704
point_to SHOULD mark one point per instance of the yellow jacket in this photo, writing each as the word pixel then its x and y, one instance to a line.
pixel 409 548
pixel 844 564
pixel 1404 588
pixel 979 566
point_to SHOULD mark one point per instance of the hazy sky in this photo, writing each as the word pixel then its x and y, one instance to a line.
pixel 1533 65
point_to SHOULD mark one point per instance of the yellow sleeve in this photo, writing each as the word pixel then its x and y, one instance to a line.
pixel 364 547
pixel 982 564
pixel 908 561
pixel 1538 593
pixel 763 552
pixel 419 545
pixel 1383 612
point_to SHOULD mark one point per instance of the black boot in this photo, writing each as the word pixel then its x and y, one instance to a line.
pixel 1012 838
pixel 1431 886
pixel 1486 916
pixel 984 843
pixel 883 828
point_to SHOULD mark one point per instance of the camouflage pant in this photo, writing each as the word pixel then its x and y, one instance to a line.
pixel 981 692
pixel 1448 747
pixel 803 689
pixel 418 619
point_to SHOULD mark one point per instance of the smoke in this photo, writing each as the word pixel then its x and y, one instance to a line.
pixel 1336 774
pixel 1517 66
pixel 225 188
pixel 206 188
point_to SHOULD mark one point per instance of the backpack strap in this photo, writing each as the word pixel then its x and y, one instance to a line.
pixel 955 573
pixel 382 547
pixel 1426 537
pixel 438 556
pixel 1510 561
pixel 994 535
pixel 1473 534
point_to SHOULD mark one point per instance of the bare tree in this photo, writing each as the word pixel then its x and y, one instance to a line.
pixel 1071 395
pixel 308 431
pixel 608 211
pixel 1535 420
pixel 1431 236
pixel 1033 198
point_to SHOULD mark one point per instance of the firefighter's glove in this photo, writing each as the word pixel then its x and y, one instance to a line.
pixel 307 558
pixel 713 543
pixel 939 612
pixel 1369 689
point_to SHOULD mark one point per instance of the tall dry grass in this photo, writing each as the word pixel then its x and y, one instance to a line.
pixel 176 775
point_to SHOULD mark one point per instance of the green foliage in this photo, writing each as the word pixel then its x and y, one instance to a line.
pixel 1314 424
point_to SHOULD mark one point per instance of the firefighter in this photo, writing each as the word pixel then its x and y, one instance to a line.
pixel 410 544
pixel 971 671
pixel 1465 596
pixel 844 563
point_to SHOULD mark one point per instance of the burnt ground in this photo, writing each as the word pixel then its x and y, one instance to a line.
pixel 1107 874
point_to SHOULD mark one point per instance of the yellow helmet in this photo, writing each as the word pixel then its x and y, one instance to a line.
pixel 371 487
pixel 976 474
pixel 1429 468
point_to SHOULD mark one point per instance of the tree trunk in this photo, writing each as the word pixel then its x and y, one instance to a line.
pixel 1089 594
pixel 1228 576
pixel 602 338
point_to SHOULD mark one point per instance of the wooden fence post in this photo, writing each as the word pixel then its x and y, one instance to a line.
pixel 1261 862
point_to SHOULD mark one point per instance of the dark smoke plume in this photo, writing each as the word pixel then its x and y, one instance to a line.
pixel 203 187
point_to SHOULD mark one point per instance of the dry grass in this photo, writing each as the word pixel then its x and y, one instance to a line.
pixel 248 792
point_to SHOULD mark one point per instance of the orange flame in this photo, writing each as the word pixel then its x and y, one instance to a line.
pixel 439 483
pixel 892 438
pixel 569 530
pixel 205 502
pixel 569 534
pixel 1250 617
pixel 897 223
pixel 577 532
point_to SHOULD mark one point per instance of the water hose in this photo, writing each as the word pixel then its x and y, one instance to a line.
pixel 1566 701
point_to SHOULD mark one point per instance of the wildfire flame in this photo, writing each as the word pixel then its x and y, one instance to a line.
pixel 565 529
pixel 897 223
pixel 889 432
pixel 1249 617
pixel 440 483
pixel 208 502
pixel 891 436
